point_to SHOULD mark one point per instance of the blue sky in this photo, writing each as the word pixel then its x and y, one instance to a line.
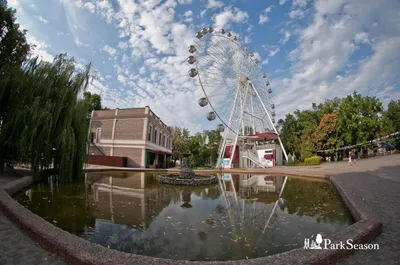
pixel 311 50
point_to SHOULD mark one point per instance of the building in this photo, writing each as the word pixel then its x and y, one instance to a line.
pixel 127 198
pixel 137 134
pixel 256 150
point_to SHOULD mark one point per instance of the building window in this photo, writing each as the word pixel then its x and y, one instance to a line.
pixel 163 141
pixel 159 139
pixel 155 136
pixel 98 135
pixel 149 133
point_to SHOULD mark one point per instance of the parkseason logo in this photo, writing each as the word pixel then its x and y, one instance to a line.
pixel 325 243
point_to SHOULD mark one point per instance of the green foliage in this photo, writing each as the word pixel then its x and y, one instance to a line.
pixel 359 118
pixel 326 136
pixel 337 122
pixel 13 46
pixel 307 147
pixel 291 160
pixel 13 51
pixel 203 146
pixel 312 161
pixel 46 123
pixel 393 115
pixel 180 136
pixel 93 101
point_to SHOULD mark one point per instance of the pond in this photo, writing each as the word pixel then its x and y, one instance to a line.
pixel 243 216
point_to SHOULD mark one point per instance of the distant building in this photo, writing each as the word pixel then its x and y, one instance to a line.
pixel 137 134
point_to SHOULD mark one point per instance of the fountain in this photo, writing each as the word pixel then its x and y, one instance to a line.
pixel 186 176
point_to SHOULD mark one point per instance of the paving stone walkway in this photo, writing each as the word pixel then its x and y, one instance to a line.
pixel 16 248
pixel 377 180
pixel 381 190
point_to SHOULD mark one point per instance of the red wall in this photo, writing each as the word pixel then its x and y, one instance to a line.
pixel 113 161
pixel 235 159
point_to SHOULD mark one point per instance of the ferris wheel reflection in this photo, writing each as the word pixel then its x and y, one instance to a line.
pixel 263 192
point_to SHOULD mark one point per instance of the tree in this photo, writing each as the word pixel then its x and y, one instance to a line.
pixel 47 123
pixel 307 147
pixel 93 101
pixel 180 137
pixel 13 51
pixel 359 118
pixel 13 46
pixel 393 114
pixel 326 136
pixel 214 139
pixel 197 147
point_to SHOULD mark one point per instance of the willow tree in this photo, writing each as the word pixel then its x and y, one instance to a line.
pixel 47 123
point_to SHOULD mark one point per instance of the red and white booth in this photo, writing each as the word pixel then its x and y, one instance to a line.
pixel 264 145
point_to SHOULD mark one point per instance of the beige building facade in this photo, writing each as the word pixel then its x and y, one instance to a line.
pixel 137 134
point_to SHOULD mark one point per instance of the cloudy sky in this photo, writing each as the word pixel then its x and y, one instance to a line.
pixel 311 50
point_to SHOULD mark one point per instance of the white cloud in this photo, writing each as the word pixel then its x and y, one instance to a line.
pixel 90 6
pixel 42 19
pixel 282 2
pixel 285 38
pixel 16 5
pixel 214 4
pixel 188 16
pixel 110 50
pixel 361 37
pixel 297 13
pixel 123 45
pixel 271 53
pixel 230 15
pixel 321 65
pixel 263 18
pixel 40 48
pixel 300 3
pixel 79 43
pixel 264 62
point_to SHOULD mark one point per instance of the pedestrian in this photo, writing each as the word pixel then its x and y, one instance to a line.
pixel 350 163
pixel 354 158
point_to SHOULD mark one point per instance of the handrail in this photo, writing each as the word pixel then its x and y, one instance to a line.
pixel 95 145
pixel 253 157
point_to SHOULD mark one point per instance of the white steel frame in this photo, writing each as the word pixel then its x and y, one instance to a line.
pixel 228 131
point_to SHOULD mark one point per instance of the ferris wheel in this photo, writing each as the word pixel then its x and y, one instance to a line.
pixel 236 92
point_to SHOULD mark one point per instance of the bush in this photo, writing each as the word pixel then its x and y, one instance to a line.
pixel 312 161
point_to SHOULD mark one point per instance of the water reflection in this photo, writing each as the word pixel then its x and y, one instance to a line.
pixel 242 216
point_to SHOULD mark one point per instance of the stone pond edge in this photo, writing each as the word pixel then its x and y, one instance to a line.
pixel 76 250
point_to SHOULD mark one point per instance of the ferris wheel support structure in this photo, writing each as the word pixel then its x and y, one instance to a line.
pixel 227 74
pixel 243 104
pixel 222 148
pixel 273 126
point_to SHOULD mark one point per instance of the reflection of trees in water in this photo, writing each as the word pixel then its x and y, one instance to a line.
pixel 66 207
pixel 315 199
pixel 205 192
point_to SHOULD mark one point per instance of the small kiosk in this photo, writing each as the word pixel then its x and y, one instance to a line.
pixel 256 150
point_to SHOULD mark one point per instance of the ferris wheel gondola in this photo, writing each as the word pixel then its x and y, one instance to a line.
pixel 234 87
